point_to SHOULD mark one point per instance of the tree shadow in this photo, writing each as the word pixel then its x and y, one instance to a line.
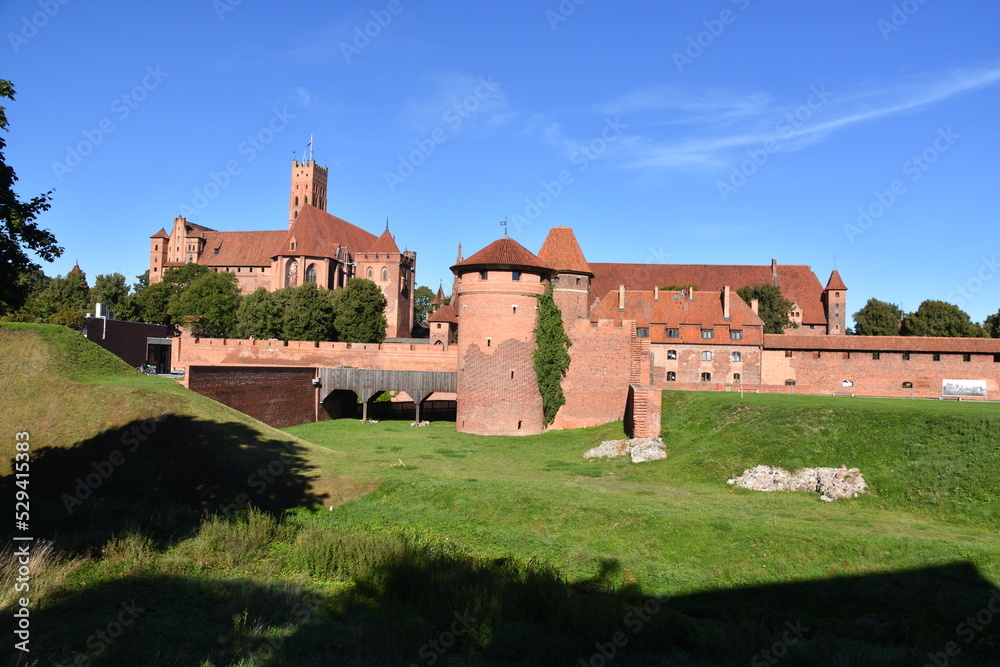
pixel 159 478
pixel 421 608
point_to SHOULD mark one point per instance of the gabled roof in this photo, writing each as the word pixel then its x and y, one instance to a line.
pixel 562 252
pixel 319 234
pixel 835 281
pixel 162 234
pixel 241 248
pixel 385 243
pixel 797 282
pixel 925 344
pixel 675 308
pixel 505 252
pixel 443 314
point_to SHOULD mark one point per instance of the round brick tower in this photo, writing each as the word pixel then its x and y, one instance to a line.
pixel 496 290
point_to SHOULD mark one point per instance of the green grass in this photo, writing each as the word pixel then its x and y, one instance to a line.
pixel 372 538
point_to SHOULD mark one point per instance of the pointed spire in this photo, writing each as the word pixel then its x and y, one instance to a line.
pixel 387 224
pixel 835 282
pixel 459 259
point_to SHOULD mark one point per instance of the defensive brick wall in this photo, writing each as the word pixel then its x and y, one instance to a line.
pixel 278 396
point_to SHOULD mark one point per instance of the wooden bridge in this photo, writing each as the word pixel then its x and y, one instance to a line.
pixel 366 383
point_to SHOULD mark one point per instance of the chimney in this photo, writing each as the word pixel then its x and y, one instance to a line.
pixel 621 297
pixel 690 291
pixel 774 271
pixel 755 306
pixel 656 293
pixel 725 302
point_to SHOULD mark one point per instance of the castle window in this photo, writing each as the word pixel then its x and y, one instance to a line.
pixel 642 332
pixel 371 274
pixel 577 281
pixel 707 333
pixel 673 333
pixel 555 281
pixel 876 355
pixel 385 275
pixel 706 356
pixel 515 275
pixel 788 353
pixel 438 325
pixel 311 273
pixel 736 356
pixel 489 341
pixel 706 377
pixel 789 383
pixel 907 385
pixel 484 275
pixel 736 335
pixel 671 354
pixel 736 377
pixel 292 274
pixel 966 357
pixel 512 375
pixel 996 358
pixel 935 357
pixel 296 198
pixel 671 376
pixel 906 356
pixel 156 247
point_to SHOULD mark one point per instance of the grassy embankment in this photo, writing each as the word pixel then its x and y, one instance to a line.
pixel 549 553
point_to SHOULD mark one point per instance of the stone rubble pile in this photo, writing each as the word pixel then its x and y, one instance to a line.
pixel 641 450
pixel 830 483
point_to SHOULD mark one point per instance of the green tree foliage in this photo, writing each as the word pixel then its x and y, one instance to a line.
pixel 878 318
pixel 361 312
pixel 112 291
pixel 18 230
pixel 258 316
pixel 678 288
pixel 307 312
pixel 423 297
pixel 992 325
pixel 152 304
pixel 62 294
pixel 551 355
pixel 940 318
pixel 207 304
pixel 68 318
pixel 773 307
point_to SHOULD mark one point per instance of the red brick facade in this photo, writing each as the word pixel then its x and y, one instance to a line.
pixel 281 397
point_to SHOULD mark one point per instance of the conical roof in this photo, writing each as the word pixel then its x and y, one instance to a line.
pixel 504 253
pixel 561 251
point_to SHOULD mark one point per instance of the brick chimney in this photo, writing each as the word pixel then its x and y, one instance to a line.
pixel 656 293
pixel 621 296
pixel 755 305
pixel 725 302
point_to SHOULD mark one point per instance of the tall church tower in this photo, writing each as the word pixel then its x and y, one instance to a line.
pixel 308 187
pixel 835 300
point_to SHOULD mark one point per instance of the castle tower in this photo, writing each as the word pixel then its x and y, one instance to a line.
pixel 497 290
pixel 308 187
pixel 157 255
pixel 571 286
pixel 835 302
pixel 395 273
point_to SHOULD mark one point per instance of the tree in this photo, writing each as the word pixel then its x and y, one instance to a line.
pixel 992 325
pixel 423 298
pixel 878 318
pixel 258 316
pixel 112 291
pixel 208 304
pixel 18 231
pixel 940 318
pixel 153 303
pixel 307 312
pixel 63 294
pixel 551 355
pixel 773 307
pixel 361 312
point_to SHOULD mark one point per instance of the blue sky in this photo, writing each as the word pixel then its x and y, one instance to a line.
pixel 730 131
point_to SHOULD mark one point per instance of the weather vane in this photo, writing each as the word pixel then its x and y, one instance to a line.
pixel 503 223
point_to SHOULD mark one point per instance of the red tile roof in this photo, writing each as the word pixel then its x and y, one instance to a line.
pixel 443 314
pixel 162 234
pixel 385 243
pixel 797 282
pixel 835 281
pixel 883 344
pixel 673 308
pixel 505 252
pixel 562 252
pixel 318 234
pixel 241 248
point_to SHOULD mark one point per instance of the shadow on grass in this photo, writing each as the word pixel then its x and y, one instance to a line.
pixel 419 608
pixel 159 479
